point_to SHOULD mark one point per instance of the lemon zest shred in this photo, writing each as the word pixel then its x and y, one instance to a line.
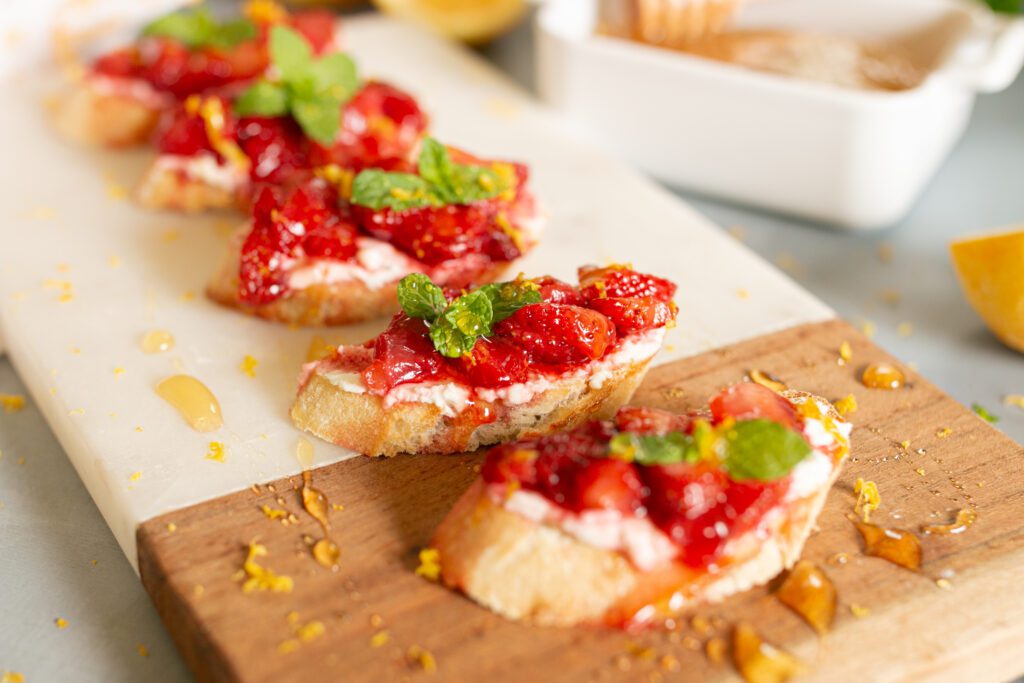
pixel 868 498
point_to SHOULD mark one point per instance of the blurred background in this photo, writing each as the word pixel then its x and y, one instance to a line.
pixel 849 143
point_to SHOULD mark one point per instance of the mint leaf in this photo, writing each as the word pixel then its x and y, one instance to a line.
pixel 508 297
pixel 335 76
pixel 456 330
pixel 443 182
pixel 199 28
pixel 653 449
pixel 233 32
pixel 319 118
pixel 378 189
pixel 1006 6
pixel 263 99
pixel 762 450
pixel 421 298
pixel 983 413
pixel 290 54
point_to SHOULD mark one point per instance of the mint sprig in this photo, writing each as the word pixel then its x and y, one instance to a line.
pixel 440 181
pixel 654 449
pixel 311 89
pixel 199 28
pixel 762 450
pixel 456 326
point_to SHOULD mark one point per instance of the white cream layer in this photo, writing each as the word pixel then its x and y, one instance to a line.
pixel 205 168
pixel 376 264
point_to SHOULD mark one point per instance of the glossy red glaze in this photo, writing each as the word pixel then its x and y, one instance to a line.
pixel 620 281
pixel 404 353
pixel 277 149
pixel 493 363
pixel 291 224
pixel 641 420
pixel 634 314
pixel 559 334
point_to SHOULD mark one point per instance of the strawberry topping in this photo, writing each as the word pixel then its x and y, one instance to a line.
pixel 559 334
pixel 695 503
pixel 749 401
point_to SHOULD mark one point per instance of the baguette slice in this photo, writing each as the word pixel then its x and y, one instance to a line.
pixel 110 112
pixel 364 423
pixel 192 184
pixel 528 570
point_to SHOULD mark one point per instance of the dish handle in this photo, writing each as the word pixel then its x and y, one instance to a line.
pixel 990 56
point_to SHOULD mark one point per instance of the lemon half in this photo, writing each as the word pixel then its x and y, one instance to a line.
pixel 472 21
pixel 991 272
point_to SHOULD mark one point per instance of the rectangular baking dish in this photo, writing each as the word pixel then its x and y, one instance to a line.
pixel 854 158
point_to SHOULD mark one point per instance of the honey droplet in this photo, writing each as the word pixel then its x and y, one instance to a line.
pixel 157 341
pixel 761 662
pixel 899 547
pixel 193 400
pixel 883 376
pixel 314 501
pixel 768 381
pixel 304 453
pixel 715 650
pixel 809 593
pixel 964 518
pixel 326 552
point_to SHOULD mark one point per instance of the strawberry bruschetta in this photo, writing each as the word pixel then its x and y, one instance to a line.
pixel 213 149
pixel 634 520
pixel 123 93
pixel 332 250
pixel 455 372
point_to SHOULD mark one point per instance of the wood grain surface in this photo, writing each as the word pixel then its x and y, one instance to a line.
pixel 374 608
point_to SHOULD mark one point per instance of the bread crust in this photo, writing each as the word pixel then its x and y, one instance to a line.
pixel 167 188
pixel 531 571
pixel 363 423
pixel 92 116
pixel 320 305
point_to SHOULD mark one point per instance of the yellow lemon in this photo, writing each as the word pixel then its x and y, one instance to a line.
pixel 473 21
pixel 991 271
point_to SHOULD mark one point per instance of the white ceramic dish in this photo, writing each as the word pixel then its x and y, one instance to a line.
pixel 852 157
pixel 67 228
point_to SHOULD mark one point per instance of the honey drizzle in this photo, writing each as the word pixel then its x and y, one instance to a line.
pixel 761 662
pixel 899 547
pixel 965 517
pixel 157 341
pixel 809 592
pixel 193 400
pixel 325 551
pixel 883 376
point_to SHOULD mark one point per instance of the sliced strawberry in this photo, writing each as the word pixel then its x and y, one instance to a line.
pixel 404 353
pixel 183 134
pixel 620 281
pixel 559 334
pixel 634 314
pixel 317 26
pixel 437 234
pixel 276 147
pixel 607 484
pixel 639 420
pixel 749 401
pixel 494 363
pixel 554 291
pixel 514 462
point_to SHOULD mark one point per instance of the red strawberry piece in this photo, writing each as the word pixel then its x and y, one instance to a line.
pixel 701 510
pixel 607 484
pixel 619 281
pixel 403 353
pixel 513 462
pixel 634 314
pixel 494 363
pixel 120 63
pixel 749 401
pixel 559 334
pixel 276 147
pixel 639 420
pixel 316 26
pixel 184 135
pixel 554 291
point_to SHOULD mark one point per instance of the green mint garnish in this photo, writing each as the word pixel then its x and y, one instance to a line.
pixel 199 28
pixel 311 89
pixel 440 181
pixel 762 450
pixel 421 298
pixel 981 412
pixel 456 326
pixel 652 449
pixel 1007 6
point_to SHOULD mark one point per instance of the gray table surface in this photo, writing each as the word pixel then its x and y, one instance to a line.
pixel 58 559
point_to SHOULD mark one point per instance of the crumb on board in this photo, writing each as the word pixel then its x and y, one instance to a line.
pixel 422 657
pixel 430 564
pixel 12 403
pixel 216 451
pixel 847 404
pixel 380 638
pixel 859 611
pixel 868 498
pixel 61 622
pixel 248 365
pixel 260 578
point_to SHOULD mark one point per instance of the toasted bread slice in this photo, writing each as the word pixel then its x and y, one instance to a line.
pixel 363 423
pixel 527 570
pixel 169 183
pixel 321 303
pixel 95 113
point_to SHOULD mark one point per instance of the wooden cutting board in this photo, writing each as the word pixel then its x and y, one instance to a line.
pixel 916 630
